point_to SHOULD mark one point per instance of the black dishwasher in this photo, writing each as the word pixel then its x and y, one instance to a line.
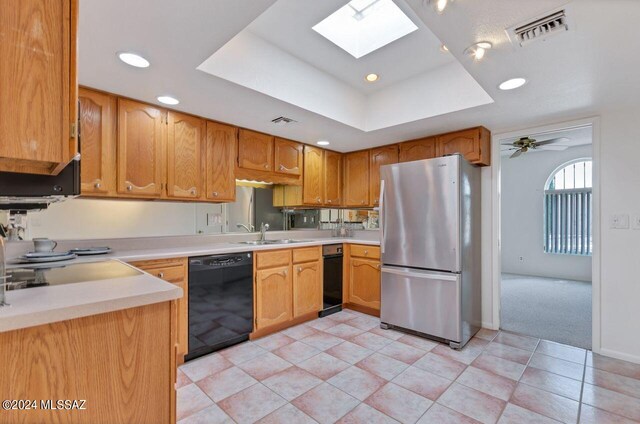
pixel 332 279
pixel 220 302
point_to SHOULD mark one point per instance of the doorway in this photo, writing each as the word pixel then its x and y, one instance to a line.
pixel 546 233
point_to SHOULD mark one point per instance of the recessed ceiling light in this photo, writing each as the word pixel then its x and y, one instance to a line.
pixel 478 50
pixel 168 100
pixel 133 59
pixel 371 77
pixel 444 49
pixel 323 143
pixel 513 83
pixel 362 26
pixel 439 5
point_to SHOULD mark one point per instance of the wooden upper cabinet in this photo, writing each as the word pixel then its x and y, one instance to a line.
pixel 255 150
pixel 141 146
pixel 356 179
pixel 219 160
pixel 288 156
pixel 424 148
pixel 38 85
pixel 274 302
pixel 185 134
pixel 332 179
pixel 98 143
pixel 473 144
pixel 312 188
pixel 385 155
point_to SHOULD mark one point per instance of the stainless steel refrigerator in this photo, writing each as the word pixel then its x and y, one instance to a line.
pixel 430 245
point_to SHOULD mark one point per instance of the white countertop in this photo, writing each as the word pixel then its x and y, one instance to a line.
pixel 42 305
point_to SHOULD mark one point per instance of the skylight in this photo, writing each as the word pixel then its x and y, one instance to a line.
pixel 363 26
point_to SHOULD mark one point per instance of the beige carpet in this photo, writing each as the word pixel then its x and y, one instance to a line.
pixel 547 308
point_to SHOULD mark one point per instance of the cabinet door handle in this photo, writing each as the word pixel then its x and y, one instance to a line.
pixel 299 269
pixel 161 274
pixel 215 194
pixel 266 166
pixel 329 201
pixel 97 185
pixel 193 191
pixel 318 200
pixel 129 187
pixel 366 252
pixel 282 167
pixel 362 202
pixel 378 266
pixel 284 273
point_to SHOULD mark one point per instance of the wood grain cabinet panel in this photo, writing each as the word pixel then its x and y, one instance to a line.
pixel 184 146
pixel 364 282
pixel 385 155
pixel 288 156
pixel 219 160
pixel 113 361
pixel 473 144
pixel 307 288
pixel 141 146
pixel 255 150
pixel 273 297
pixel 98 138
pixel 332 178
pixel 356 179
pixel 174 271
pixel 424 148
pixel 38 85
pixel 312 186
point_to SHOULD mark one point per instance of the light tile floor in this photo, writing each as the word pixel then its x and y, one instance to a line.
pixel 344 368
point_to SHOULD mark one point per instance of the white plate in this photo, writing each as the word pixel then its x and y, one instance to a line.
pixel 38 255
pixel 32 260
pixel 91 251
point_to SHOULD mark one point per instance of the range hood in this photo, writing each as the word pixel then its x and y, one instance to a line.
pixel 30 191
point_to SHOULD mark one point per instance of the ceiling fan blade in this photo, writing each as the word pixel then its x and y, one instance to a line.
pixel 551 141
pixel 516 154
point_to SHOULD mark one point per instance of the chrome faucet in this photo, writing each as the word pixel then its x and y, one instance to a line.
pixel 249 227
pixel 263 231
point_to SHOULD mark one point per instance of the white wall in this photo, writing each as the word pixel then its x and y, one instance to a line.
pixel 89 218
pixel 620 249
pixel 523 180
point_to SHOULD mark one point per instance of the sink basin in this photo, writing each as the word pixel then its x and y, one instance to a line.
pixel 263 242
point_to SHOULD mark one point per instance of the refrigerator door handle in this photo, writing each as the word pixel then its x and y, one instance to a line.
pixel 381 216
pixel 420 274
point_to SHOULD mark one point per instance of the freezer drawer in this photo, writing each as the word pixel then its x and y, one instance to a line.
pixel 425 301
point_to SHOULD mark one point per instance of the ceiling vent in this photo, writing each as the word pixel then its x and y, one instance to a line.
pixel 539 29
pixel 283 120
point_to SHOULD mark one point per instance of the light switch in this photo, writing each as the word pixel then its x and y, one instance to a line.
pixel 620 222
pixel 635 222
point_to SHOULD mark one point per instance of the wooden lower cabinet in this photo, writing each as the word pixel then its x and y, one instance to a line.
pixel 174 271
pixel 273 296
pixel 362 275
pixel 307 280
pixel 122 364
pixel 288 288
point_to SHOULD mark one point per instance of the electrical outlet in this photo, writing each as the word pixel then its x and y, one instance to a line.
pixel 521 258
pixel 620 222
pixel 635 222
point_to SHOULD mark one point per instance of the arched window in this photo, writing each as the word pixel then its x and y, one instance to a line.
pixel 568 209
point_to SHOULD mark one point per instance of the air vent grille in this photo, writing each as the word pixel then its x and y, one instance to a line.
pixel 283 120
pixel 542 28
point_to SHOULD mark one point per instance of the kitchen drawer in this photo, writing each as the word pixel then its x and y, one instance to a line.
pixel 171 270
pixel 306 254
pixel 273 259
pixel 363 251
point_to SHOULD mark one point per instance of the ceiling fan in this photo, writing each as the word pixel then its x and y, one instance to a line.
pixel 525 144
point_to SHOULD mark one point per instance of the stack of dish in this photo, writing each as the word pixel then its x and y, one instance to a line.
pixel 39 257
